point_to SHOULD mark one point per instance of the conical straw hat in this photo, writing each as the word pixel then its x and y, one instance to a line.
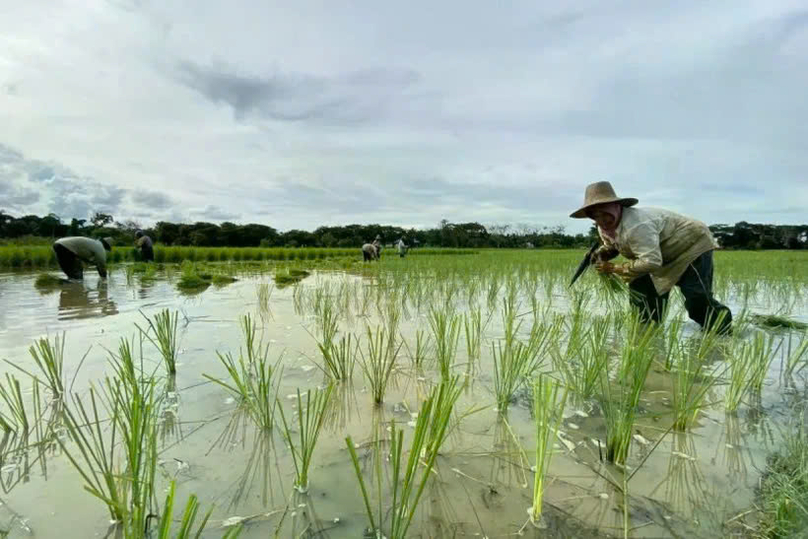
pixel 600 193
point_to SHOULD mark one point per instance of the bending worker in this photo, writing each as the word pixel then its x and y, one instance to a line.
pixel 146 246
pixel 664 249
pixel 72 251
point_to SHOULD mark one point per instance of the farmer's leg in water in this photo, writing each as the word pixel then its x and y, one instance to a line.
pixel 697 287
pixel 644 297
pixel 69 262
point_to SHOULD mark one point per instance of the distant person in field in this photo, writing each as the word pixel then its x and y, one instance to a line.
pixel 664 249
pixel 368 252
pixel 146 246
pixel 372 251
pixel 71 252
pixel 402 247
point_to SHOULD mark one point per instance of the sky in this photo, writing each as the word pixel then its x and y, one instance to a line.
pixel 309 113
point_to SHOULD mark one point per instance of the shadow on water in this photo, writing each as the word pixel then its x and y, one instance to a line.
pixel 77 301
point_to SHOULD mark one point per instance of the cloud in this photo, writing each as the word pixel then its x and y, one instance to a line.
pixel 357 96
pixel 213 213
pixel 403 113
pixel 152 199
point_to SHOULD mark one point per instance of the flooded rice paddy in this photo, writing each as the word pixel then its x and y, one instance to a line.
pixel 696 483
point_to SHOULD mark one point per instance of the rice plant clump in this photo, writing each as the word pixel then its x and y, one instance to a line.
pixel 254 386
pixel 620 404
pixel 340 358
pixel 548 410
pixel 515 361
pixel 162 333
pixel 445 326
pixel 379 363
pixel 50 360
pixel 310 421
pixel 409 477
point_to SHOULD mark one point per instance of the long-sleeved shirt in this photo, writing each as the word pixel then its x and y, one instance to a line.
pixel 660 243
pixel 87 249
pixel 144 242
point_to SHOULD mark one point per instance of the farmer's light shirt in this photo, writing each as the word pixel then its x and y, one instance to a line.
pixel 660 243
pixel 87 249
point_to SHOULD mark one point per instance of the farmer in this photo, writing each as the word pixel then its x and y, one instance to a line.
pixel 402 247
pixel 146 246
pixel 72 251
pixel 369 252
pixel 663 249
pixel 372 251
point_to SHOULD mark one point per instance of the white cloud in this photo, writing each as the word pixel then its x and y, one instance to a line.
pixel 402 113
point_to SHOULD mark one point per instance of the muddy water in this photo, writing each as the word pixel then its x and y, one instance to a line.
pixel 689 486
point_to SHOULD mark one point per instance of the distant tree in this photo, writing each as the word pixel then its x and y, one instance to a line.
pixel 101 219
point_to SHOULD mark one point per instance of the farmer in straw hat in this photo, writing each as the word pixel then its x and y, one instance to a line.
pixel 72 251
pixel 663 249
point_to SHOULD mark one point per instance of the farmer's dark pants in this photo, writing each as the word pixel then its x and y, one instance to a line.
pixel 147 253
pixel 367 256
pixel 69 262
pixel 696 285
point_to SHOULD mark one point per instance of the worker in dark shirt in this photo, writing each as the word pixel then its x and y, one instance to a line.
pixel 146 246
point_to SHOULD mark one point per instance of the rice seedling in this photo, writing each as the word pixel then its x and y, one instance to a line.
pixel 50 360
pixel 133 410
pixel 777 322
pixel 423 349
pixel 784 487
pixel 445 326
pixel 164 328
pixel 264 293
pixel 796 357
pixel 95 456
pixel 340 358
pixel 741 367
pixel 16 418
pixel 473 326
pixel 584 358
pixel 516 361
pixel 187 521
pixel 763 352
pixel 310 421
pixel 380 362
pixel 407 484
pixel 620 405
pixel 548 410
pixel 690 386
pixel 251 384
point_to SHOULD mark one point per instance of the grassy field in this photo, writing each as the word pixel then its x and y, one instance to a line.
pixel 42 256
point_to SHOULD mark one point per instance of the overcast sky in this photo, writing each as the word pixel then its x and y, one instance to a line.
pixel 305 113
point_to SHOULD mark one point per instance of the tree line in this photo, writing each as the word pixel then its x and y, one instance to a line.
pixel 32 228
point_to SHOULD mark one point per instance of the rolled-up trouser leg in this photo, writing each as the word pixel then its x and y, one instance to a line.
pixel 643 296
pixel 70 264
pixel 696 285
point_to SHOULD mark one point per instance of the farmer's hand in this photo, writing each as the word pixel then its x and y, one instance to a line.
pixel 605 267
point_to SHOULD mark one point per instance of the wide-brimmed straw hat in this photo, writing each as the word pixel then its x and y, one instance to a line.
pixel 600 193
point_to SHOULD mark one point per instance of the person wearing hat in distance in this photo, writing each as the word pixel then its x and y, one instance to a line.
pixel 146 246
pixel 72 251
pixel 664 249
